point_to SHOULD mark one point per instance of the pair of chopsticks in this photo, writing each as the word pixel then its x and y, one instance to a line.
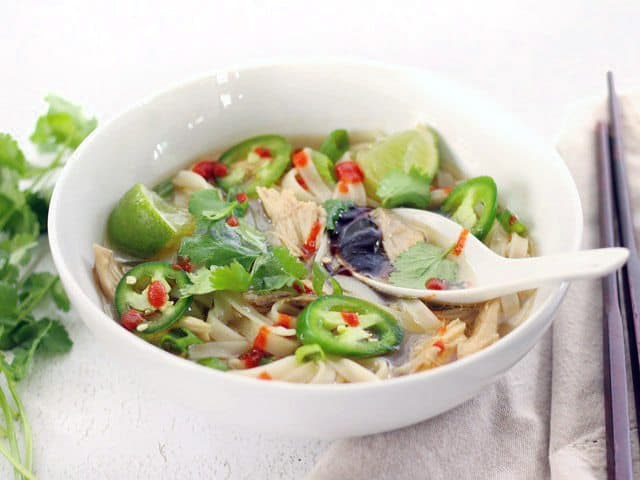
pixel 621 291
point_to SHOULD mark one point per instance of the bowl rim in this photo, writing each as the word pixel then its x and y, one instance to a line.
pixel 533 324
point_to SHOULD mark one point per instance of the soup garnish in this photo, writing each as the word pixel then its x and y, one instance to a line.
pixel 244 262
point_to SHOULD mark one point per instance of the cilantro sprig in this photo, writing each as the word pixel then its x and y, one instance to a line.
pixel 233 258
pixel 25 191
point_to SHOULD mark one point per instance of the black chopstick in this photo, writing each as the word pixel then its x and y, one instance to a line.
pixel 630 274
pixel 615 371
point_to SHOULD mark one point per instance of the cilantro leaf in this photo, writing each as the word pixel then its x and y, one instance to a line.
pixel 400 189
pixel 64 124
pixel 208 206
pixel 289 264
pixel 203 200
pixel 57 339
pixel 19 248
pixel 420 263
pixel 276 270
pixel 38 202
pixel 11 156
pixel 221 244
pixel 232 278
pixel 334 209
pixel 319 276
pixel 60 297
pixel 8 300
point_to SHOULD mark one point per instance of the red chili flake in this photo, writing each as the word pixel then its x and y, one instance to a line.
pixel 436 284
pixel 310 245
pixel 183 264
pixel 462 239
pixel 513 219
pixel 157 294
pixel 343 187
pixel 263 152
pixel 439 344
pixel 265 376
pixel 301 287
pixel 300 159
pixel 349 172
pixel 252 357
pixel 284 320
pixel 301 181
pixel 260 342
pixel 442 330
pixel 131 319
pixel 350 318
pixel 232 221
pixel 205 168
pixel 220 170
pixel 241 197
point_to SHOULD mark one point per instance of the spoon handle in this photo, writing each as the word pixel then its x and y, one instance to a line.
pixel 525 273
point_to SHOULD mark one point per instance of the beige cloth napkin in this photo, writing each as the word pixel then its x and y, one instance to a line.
pixel 545 417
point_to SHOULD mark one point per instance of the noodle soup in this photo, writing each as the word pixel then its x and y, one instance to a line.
pixel 244 261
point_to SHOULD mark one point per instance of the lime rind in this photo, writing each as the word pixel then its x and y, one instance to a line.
pixel 144 225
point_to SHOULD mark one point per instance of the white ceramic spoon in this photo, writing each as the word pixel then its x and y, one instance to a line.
pixel 495 275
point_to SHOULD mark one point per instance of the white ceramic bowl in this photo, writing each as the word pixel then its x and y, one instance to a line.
pixel 163 133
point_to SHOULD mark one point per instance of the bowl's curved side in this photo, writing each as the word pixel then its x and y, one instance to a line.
pixel 155 138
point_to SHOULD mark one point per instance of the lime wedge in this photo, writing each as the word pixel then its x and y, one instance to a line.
pixel 403 151
pixel 143 224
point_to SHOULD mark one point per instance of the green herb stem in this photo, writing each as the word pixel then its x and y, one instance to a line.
pixel 26 426
pixel 11 432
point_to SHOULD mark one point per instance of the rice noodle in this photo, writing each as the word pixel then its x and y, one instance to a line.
pixel 199 327
pixel 275 370
pixel 352 371
pixel 302 373
pixel 228 349
pixel 414 316
pixel 498 239
pixel 312 178
pixel 221 308
pixel 510 304
pixel 190 181
pixel 289 182
pixel 356 288
pixel 354 192
pixel 518 246
pixel 324 374
pixel 220 331
pixel 445 180
pixel 251 322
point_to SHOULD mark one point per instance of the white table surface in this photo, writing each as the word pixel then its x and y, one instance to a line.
pixel 534 57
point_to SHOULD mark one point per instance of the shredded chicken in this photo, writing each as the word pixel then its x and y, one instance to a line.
pixel 396 236
pixel 107 270
pixel 485 330
pixel 291 218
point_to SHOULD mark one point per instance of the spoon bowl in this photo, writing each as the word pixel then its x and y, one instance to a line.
pixel 493 275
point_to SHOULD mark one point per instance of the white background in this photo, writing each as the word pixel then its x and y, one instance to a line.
pixel 532 56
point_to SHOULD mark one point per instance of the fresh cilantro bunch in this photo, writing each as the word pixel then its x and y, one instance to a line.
pixel 25 192
pixel 234 257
